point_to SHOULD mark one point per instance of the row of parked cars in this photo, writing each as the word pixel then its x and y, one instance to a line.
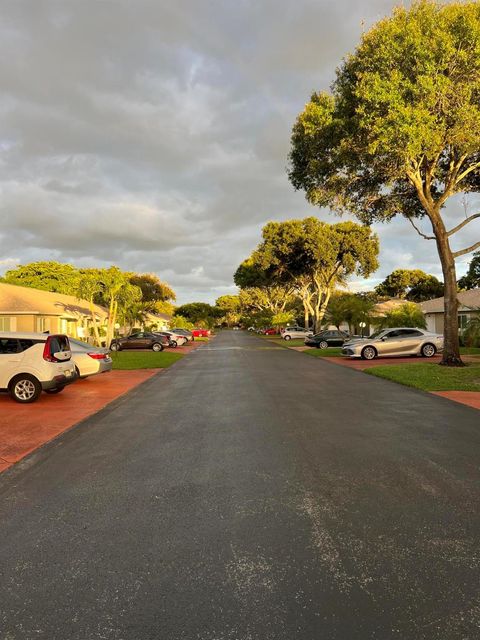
pixel 158 340
pixel 34 362
pixel 395 341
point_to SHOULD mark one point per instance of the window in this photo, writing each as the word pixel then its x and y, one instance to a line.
pixel 43 325
pixel 462 321
pixel 6 324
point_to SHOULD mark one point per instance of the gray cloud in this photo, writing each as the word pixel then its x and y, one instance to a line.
pixel 154 134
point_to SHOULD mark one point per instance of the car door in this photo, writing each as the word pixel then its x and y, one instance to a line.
pixel 335 339
pixel 410 339
pixel 390 344
pixel 132 341
pixel 10 357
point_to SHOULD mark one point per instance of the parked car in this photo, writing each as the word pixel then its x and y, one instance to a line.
pixel 324 339
pixel 397 341
pixel 201 333
pixel 296 332
pixel 174 339
pixel 139 340
pixel 184 332
pixel 34 362
pixel 89 360
pixel 271 331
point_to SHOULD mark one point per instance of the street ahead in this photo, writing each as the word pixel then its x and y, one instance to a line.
pixel 249 493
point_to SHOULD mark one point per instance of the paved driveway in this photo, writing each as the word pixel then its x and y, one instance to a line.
pixel 249 493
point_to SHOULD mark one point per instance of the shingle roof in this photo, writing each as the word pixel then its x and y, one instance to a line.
pixel 15 299
pixel 468 300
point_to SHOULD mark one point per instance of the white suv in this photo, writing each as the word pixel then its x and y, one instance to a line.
pixel 32 362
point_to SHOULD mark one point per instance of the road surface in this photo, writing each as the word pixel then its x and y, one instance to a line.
pixel 249 493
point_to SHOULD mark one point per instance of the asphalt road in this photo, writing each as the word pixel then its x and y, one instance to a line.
pixel 249 493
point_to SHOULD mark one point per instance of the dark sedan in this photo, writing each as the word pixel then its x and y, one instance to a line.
pixel 140 340
pixel 324 339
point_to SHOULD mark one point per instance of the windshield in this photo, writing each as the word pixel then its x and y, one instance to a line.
pixel 377 334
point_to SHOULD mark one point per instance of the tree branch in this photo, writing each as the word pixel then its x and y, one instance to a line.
pixel 462 252
pixel 462 224
pixel 463 175
pixel 418 230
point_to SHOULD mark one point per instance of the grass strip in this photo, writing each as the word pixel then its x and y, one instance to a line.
pixel 144 359
pixel 331 352
pixel 430 376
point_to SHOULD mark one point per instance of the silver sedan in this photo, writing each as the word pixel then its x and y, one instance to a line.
pixel 89 360
pixel 397 341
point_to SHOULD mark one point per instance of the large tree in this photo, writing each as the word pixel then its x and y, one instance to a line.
pixel 314 257
pixel 400 132
pixel 261 292
pixel 47 275
pixel 412 284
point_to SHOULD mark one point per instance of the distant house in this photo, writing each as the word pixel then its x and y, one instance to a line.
pixel 469 305
pixel 25 309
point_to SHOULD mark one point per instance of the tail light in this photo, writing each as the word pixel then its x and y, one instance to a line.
pixel 97 356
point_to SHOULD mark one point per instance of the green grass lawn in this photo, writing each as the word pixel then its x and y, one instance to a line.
pixel 470 351
pixel 331 352
pixel 296 342
pixel 144 359
pixel 431 377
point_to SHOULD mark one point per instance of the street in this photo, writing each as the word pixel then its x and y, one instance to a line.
pixel 249 492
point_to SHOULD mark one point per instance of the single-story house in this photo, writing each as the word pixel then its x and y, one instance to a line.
pixel 468 306
pixel 26 309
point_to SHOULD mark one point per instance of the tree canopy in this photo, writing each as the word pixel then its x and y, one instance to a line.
pixel 47 276
pixel 412 284
pixel 313 256
pixel 471 280
pixel 400 131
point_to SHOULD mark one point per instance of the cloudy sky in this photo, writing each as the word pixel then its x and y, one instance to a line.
pixel 153 134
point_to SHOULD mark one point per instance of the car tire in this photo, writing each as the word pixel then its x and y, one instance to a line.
pixel 25 388
pixel 115 346
pixel 157 346
pixel 173 344
pixel 323 344
pixel 428 350
pixel 369 353
pixel 287 337
pixel 53 391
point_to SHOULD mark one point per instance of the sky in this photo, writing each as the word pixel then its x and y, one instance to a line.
pixel 154 134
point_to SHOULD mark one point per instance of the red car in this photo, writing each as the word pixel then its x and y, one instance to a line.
pixel 201 333
pixel 271 332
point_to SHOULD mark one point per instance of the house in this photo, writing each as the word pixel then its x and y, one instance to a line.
pixel 26 309
pixel 468 306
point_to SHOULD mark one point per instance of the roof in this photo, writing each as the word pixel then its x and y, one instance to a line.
pixel 381 308
pixel 468 301
pixel 15 300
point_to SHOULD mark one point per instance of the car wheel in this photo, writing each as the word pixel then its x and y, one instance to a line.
pixel 156 346
pixel 25 388
pixel 287 337
pixel 114 346
pixel 52 391
pixel 428 350
pixel 323 344
pixel 369 353
pixel 173 344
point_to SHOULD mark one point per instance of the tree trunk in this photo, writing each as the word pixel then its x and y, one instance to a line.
pixel 94 321
pixel 451 349
pixel 306 316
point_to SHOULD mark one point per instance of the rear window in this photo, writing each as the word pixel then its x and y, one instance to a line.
pixel 59 343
